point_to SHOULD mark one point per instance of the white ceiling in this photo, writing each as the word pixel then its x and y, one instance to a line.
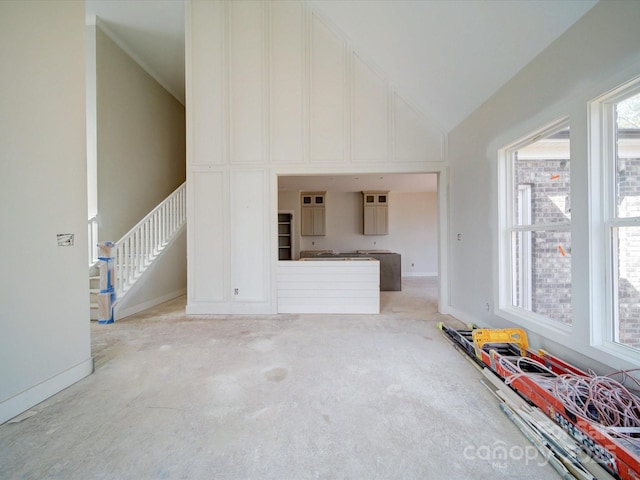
pixel 449 57
pixel 444 57
pixel 152 31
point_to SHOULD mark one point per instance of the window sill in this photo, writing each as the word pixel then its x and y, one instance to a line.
pixel 535 323
pixel 621 353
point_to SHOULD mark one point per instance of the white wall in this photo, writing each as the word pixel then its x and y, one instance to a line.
pixel 598 53
pixel 140 140
pixel 44 308
pixel 414 216
pixel 413 228
pixel 272 88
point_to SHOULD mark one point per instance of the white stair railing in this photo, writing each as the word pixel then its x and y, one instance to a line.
pixel 135 251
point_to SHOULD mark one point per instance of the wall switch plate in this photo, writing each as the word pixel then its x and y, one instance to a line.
pixel 65 239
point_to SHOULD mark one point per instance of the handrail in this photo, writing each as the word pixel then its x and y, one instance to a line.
pixel 135 251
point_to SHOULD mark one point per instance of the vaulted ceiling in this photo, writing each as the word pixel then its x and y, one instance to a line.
pixel 444 57
pixel 447 57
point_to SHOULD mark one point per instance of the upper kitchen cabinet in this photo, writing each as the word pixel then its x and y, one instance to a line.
pixel 312 213
pixel 376 213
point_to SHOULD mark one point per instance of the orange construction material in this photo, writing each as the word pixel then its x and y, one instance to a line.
pixel 482 336
pixel 620 457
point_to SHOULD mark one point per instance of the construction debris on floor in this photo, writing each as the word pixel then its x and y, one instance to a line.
pixel 587 426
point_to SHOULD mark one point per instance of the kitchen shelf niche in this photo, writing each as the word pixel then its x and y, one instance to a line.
pixel 284 236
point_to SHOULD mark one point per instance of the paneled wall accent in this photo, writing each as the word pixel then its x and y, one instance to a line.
pixel 287 82
pixel 370 113
pixel 277 84
pixel 205 58
pixel 272 85
pixel 207 235
pixel 247 99
pixel 249 235
pixel 228 245
pixel 328 94
pixel 411 138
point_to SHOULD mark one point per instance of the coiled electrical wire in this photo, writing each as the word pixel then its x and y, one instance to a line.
pixel 602 400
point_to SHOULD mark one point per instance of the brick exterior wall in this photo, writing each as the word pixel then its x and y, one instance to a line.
pixel 549 181
pixel 629 253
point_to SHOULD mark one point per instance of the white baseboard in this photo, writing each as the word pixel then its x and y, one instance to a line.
pixel 459 315
pixel 420 274
pixel 230 308
pixel 119 314
pixel 463 317
pixel 21 402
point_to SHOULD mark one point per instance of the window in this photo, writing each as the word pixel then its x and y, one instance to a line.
pixel 620 115
pixel 535 245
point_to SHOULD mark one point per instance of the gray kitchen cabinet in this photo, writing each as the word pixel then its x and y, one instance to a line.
pixel 390 268
pixel 376 213
pixel 312 213
pixel 390 271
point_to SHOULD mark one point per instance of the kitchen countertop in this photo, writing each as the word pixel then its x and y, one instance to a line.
pixel 373 251
pixel 390 263
pixel 335 258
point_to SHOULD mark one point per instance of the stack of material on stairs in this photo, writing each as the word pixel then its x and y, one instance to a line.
pixel 94 290
pixel 586 426
pixel 106 297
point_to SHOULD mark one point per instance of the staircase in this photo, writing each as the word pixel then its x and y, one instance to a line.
pixel 137 249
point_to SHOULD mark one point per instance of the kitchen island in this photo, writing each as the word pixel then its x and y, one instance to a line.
pixel 329 285
pixel 390 264
pixel 390 269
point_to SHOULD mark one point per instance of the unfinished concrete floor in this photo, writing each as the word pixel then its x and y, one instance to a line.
pixel 276 397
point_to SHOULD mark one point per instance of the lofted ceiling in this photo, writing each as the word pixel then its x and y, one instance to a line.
pixel 445 58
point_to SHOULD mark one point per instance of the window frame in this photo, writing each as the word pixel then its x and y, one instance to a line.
pixel 603 200
pixel 532 321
